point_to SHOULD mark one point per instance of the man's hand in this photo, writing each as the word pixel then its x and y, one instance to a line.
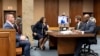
pixel 77 31
pixel 23 37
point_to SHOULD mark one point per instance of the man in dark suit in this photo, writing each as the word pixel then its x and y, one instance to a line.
pixel 87 27
pixel 79 22
pixel 21 40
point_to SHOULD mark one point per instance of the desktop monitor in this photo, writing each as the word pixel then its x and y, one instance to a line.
pixel 62 22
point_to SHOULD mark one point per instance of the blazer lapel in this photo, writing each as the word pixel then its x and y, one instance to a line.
pixel 10 26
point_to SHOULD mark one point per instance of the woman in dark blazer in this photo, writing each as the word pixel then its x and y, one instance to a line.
pixel 18 26
pixel 40 31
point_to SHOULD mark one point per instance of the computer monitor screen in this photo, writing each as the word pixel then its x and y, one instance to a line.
pixel 62 20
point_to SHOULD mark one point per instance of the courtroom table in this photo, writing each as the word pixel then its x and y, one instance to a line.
pixel 65 43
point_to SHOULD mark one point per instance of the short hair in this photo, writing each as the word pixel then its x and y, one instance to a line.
pixel 86 15
pixel 18 19
pixel 8 14
pixel 78 17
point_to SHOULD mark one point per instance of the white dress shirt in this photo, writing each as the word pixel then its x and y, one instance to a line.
pixel 78 25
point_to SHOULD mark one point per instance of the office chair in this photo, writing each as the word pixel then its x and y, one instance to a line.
pixel 34 37
pixel 86 50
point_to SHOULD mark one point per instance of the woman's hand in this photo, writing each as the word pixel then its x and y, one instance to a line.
pixel 44 24
pixel 48 26
pixel 46 33
pixel 35 33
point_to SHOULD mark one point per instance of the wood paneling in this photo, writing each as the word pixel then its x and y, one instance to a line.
pixel 4 42
pixel 97 11
pixel 76 8
pixel 19 7
pixel 7 43
pixel 0 13
pixel 51 12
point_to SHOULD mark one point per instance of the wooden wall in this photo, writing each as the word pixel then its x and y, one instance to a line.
pixel 0 13
pixel 51 12
pixel 19 7
pixel 76 8
pixel 97 11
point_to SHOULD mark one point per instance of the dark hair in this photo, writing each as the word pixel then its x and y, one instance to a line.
pixel 19 16
pixel 41 19
pixel 78 17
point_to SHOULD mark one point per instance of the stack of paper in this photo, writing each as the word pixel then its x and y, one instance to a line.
pixel 66 32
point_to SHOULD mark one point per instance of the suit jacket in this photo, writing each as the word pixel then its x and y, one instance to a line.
pixel 8 26
pixel 79 27
pixel 88 27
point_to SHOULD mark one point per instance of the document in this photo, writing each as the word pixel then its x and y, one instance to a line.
pixel 66 32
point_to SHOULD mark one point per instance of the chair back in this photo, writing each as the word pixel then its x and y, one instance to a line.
pixel 93 40
pixel 34 37
pixel 32 28
pixel 97 29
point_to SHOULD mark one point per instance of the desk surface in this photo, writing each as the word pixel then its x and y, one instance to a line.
pixel 65 43
pixel 57 28
pixel 58 35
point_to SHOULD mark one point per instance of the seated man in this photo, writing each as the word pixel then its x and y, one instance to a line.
pixel 20 39
pixel 87 27
pixel 79 22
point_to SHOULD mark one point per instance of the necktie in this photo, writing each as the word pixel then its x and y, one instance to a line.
pixel 19 29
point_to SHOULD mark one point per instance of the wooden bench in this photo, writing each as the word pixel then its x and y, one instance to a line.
pixel 18 51
pixel 10 35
